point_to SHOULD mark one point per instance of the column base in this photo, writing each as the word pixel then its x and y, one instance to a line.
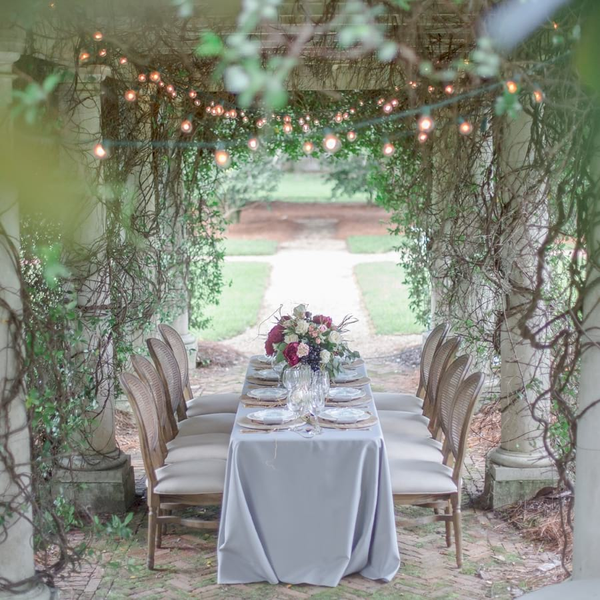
pixel 191 345
pixel 37 591
pixel 109 489
pixel 505 485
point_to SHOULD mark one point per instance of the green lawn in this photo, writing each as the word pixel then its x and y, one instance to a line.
pixel 386 298
pixel 240 302
pixel 250 247
pixel 371 244
pixel 308 187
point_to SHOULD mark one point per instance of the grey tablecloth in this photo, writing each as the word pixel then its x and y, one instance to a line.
pixel 299 510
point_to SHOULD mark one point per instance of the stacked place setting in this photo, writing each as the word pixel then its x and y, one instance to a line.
pixel 308 379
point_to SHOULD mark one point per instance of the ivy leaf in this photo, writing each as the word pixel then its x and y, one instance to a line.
pixel 387 51
pixel 236 79
pixel 210 45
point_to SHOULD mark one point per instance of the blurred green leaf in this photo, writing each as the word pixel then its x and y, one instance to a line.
pixel 210 45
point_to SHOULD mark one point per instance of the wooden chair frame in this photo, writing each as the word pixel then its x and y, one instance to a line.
pixel 153 456
pixel 458 431
pixel 444 355
pixel 432 343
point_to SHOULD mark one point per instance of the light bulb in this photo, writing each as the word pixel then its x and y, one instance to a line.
pixel 287 119
pixel 308 147
pixel 98 37
pixel 161 84
pixel 338 118
pixel 387 108
pixel 222 158
pixel 233 113
pixel 306 127
pixel 197 102
pixel 352 111
pixel 84 56
pixel 170 89
pixel 351 136
pixel 380 101
pixel 316 121
pixel 538 96
pixel 465 128
pixel 142 78
pixel 388 149
pixel 413 84
pixel 100 152
pixel 155 77
pixel 425 123
pixel 394 102
pixel 287 128
pixel 123 60
pixel 192 94
pixel 430 89
pixel 244 119
pixel 208 109
pixel 422 137
pixel 331 143
pixel 130 96
pixel 260 123
pixel 512 87
pixel 253 143
pixel 346 116
pixel 449 89
pixel 186 126
pixel 219 110
pixel 102 52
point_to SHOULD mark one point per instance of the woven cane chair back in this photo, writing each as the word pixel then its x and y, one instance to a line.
pixel 174 341
pixel 453 376
pixel 443 357
pixel 432 343
pixel 167 367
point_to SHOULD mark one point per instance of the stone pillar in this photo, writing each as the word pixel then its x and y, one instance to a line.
pixel 520 467
pixel 586 541
pixel 104 471
pixel 16 534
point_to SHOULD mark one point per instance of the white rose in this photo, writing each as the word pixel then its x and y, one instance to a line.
pixel 325 356
pixel 303 350
pixel 335 337
pixel 288 323
pixel 301 327
pixel 290 338
pixel 300 311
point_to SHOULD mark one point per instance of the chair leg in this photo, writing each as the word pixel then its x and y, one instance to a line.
pixel 448 524
pixel 456 518
pixel 151 535
pixel 159 529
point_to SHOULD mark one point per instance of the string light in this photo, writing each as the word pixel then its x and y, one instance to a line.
pixel 331 143
pixel 253 144
pixel 244 119
pixel 346 116
pixel 98 37
pixel 300 121
pixel 380 102
pixel 316 122
pixel 388 149
pixel 102 52
pixel 287 128
pixel 512 87
pixel 538 96
pixel 422 137
pixel 338 118
pixel 123 60
pixel 425 123
pixel 186 126
pixel 100 152
pixel 465 128
pixel 261 123
pixel 555 24
pixel 351 136
pixel 395 102
pixel 352 111
pixel 286 119
pixel 430 89
pixel 170 89
pixel 130 96
pixel 84 56
pixel 306 127
pixel 155 77
pixel 449 89
pixel 161 84
pixel 387 108
pixel 413 84
pixel 233 114
pixel 308 147
pixel 222 158
pixel 219 110
pixel 192 94
pixel 142 78
pixel 197 102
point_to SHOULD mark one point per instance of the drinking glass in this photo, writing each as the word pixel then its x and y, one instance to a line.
pixel 295 400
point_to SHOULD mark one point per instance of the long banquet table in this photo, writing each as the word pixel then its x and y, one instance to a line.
pixel 307 510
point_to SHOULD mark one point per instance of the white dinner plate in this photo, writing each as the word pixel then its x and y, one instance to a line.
pixel 345 394
pixel 268 394
pixel 347 375
pixel 344 415
pixel 272 416
pixel 267 375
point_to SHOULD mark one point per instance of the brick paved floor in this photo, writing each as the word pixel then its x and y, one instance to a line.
pixel 498 563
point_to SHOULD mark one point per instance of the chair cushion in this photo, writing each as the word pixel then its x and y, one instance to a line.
pixel 217 423
pixel 194 447
pixel 206 476
pixel 420 477
pixel 403 402
pixel 399 447
pixel 208 404
pixel 405 424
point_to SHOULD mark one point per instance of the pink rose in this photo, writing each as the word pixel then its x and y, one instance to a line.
pixel 322 328
pixel 303 350
pixel 322 320
pixel 275 337
pixel 318 340
pixel 291 354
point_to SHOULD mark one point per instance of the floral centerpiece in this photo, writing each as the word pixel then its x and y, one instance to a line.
pixel 304 338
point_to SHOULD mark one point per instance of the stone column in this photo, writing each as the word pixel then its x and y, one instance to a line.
pixel 586 541
pixel 16 534
pixel 520 467
pixel 104 471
